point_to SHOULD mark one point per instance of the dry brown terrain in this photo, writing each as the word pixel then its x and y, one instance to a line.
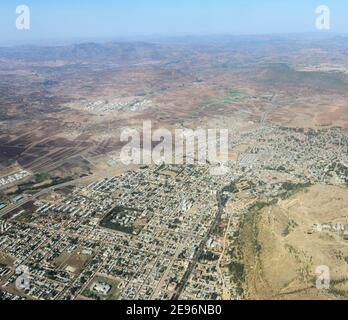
pixel 46 126
pixel 282 248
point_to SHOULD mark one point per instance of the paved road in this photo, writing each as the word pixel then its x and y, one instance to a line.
pixel 25 200
pixel 200 249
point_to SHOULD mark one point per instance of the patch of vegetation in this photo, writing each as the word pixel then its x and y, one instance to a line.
pixel 209 256
pixel 292 188
pixel 25 217
pixel 304 262
pixel 237 271
pixel 289 186
pixel 281 169
pixel 263 204
pixel 312 133
pixel 30 185
pixel 231 188
pixel 227 65
pixel 299 130
pixel 335 291
pixel 107 221
pixel 289 228
pixel 232 96
pixel 41 177
pixel 175 224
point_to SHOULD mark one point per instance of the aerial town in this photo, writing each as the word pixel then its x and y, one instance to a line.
pixel 163 153
pixel 160 232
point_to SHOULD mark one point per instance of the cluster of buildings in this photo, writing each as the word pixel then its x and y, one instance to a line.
pixel 172 209
pixel 162 232
pixel 278 155
pixel 102 288
pixel 340 228
pixel 14 177
pixel 119 105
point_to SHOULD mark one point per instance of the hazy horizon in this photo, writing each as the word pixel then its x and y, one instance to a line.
pixel 110 20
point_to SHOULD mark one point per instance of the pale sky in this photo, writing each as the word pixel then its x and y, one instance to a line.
pixel 68 19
